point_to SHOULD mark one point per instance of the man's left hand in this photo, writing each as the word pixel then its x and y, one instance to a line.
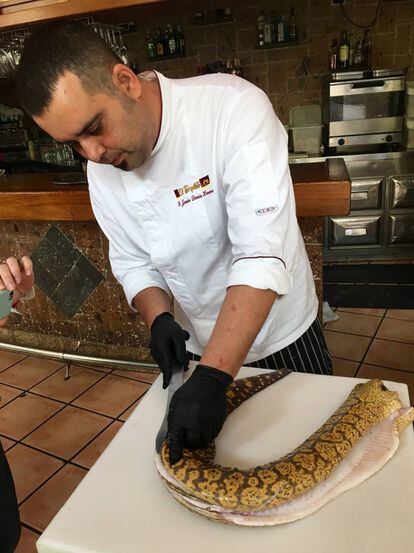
pixel 197 410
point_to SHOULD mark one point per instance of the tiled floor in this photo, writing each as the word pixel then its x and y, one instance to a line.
pixel 54 429
pixel 372 343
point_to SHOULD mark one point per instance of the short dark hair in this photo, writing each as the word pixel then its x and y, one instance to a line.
pixel 55 48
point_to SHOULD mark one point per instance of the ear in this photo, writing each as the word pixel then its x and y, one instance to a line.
pixel 125 80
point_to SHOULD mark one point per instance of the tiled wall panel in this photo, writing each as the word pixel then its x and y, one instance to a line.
pixel 103 324
pixel 281 72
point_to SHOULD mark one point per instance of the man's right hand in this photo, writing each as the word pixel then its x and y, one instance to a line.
pixel 167 345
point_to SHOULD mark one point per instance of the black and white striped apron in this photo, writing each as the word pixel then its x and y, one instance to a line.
pixel 308 354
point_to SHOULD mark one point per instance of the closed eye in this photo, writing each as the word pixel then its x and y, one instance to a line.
pixel 95 130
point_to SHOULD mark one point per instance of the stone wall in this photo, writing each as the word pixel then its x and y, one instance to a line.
pixel 103 324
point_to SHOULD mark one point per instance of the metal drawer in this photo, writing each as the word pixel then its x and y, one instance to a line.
pixel 350 231
pixel 402 229
pixel 366 193
pixel 402 191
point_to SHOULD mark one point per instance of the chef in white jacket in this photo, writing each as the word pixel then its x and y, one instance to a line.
pixel 189 180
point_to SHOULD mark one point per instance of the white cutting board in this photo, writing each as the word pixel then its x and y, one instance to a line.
pixel 121 506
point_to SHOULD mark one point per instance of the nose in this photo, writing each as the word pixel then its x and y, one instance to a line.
pixel 92 149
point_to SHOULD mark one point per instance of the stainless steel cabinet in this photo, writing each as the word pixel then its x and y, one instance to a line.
pixel 366 193
pixel 401 228
pixel 380 224
pixel 356 230
pixel 402 191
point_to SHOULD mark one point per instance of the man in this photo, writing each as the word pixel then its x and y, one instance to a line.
pixel 16 277
pixel 189 180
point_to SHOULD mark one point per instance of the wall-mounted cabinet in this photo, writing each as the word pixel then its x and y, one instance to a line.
pixel 17 13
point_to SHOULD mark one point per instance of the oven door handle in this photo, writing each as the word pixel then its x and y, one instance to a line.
pixel 373 84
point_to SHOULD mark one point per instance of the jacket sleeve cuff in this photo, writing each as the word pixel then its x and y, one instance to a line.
pixel 134 284
pixel 266 274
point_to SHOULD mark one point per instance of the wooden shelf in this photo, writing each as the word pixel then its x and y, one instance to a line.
pixel 16 14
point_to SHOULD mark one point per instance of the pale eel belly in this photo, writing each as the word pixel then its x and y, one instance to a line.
pixel 353 444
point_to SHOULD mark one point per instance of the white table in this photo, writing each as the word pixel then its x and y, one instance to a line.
pixel 121 506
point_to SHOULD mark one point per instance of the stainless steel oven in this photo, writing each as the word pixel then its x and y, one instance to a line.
pixel 365 108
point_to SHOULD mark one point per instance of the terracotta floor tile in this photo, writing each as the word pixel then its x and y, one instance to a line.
pixel 68 432
pixel 397 330
pixel 344 367
pixel 137 375
pixel 354 323
pixel 42 506
pixel 363 311
pixel 384 373
pixel 8 358
pixel 27 541
pixel 24 414
pixel 129 411
pixel 346 346
pixel 30 469
pixel 88 456
pixel 395 355
pixel 112 395
pixel 404 314
pixel 6 443
pixel 29 372
pixel 57 387
pixel 7 394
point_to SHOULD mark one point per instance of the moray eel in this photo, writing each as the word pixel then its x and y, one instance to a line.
pixel 354 443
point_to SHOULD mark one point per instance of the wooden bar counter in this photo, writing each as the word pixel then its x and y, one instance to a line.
pixel 320 189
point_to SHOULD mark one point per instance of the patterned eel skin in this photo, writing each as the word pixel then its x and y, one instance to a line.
pixel 267 486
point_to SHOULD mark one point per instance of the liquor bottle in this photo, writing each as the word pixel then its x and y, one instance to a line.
pixel 358 57
pixel 260 28
pixel 293 33
pixel 267 31
pixel 366 48
pixel 280 29
pixel 344 51
pixel 165 42
pixel 273 24
pixel 151 49
pixel 179 40
pixel 351 51
pixel 237 68
pixel 159 46
pixel 333 56
pixel 172 47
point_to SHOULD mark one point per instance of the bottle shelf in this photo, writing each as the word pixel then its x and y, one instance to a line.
pixel 166 57
pixel 274 45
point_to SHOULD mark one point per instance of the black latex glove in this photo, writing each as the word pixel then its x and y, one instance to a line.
pixel 167 345
pixel 197 410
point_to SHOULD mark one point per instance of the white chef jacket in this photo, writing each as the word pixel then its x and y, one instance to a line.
pixel 212 207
